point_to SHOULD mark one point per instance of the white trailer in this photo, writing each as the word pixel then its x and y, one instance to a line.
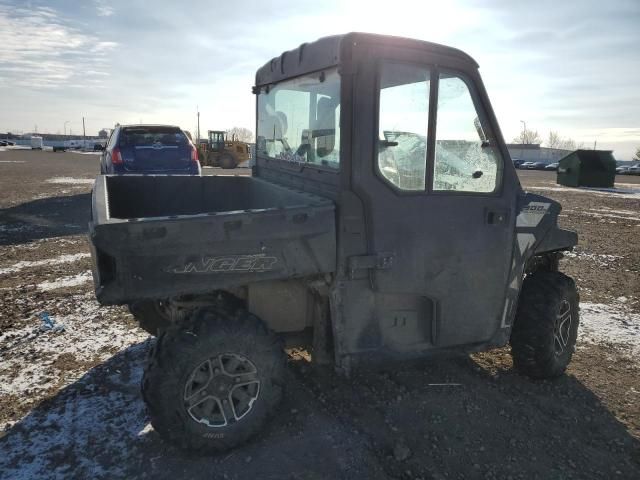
pixel 36 143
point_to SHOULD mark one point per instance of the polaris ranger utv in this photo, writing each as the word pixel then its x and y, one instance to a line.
pixel 384 219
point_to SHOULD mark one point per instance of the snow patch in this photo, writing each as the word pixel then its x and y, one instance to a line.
pixel 600 323
pixel 603 260
pixel 608 192
pixel 611 215
pixel 71 181
pixel 90 333
pixel 613 210
pixel 104 404
pixel 16 267
pixel 11 161
pixel 68 281
pixel 17 228
pixel 604 212
pixel 89 152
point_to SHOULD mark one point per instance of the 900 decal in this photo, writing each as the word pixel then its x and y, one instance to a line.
pixel 533 208
pixel 228 264
pixel 532 214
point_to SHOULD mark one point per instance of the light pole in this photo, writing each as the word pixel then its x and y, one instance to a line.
pixel 198 132
pixel 65 127
pixel 524 131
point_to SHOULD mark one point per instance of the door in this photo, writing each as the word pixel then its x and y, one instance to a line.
pixel 439 219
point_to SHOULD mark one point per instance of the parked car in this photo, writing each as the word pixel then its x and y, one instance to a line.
pixel 634 170
pixel 552 166
pixel 3 143
pixel 622 170
pixel 160 149
pixel 517 162
pixel 533 165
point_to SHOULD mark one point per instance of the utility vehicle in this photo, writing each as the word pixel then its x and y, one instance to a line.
pixel 383 220
pixel 218 150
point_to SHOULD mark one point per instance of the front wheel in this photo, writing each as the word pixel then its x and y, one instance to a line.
pixel 212 382
pixel 227 161
pixel 544 334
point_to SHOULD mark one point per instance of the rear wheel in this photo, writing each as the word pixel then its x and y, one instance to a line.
pixel 546 325
pixel 211 383
pixel 227 161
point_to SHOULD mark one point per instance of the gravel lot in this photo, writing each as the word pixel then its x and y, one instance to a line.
pixel 70 405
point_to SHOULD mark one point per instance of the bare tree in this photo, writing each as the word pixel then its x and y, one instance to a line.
pixel 528 136
pixel 241 133
pixel 556 141
pixel 637 157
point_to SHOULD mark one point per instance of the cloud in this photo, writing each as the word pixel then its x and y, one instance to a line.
pixel 567 66
pixel 104 46
pixel 104 9
pixel 41 49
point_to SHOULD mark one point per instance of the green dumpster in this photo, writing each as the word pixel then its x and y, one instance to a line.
pixel 587 168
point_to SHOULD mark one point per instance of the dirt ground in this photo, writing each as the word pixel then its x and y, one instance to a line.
pixel 69 398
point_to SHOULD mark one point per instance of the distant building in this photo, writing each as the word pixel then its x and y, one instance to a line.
pixel 533 152
pixel 104 133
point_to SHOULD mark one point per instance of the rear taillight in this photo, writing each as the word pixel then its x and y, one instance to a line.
pixel 194 155
pixel 116 157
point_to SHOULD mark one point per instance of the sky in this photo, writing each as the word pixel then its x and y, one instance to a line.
pixel 569 66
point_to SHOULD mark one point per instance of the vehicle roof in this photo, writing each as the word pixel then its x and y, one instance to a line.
pixel 145 125
pixel 327 51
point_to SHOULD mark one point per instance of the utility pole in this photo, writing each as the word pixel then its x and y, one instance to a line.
pixel 84 133
pixel 198 133
pixel 65 127
pixel 524 131
pixel 595 142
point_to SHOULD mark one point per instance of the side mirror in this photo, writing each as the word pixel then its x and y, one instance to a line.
pixel 480 131
pixel 477 174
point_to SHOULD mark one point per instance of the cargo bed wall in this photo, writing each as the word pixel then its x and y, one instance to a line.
pixel 158 195
pixel 174 250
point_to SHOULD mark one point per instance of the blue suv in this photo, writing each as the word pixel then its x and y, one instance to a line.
pixel 155 149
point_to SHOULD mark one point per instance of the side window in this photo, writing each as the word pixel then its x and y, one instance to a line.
pixel 465 160
pixel 403 125
pixel 299 120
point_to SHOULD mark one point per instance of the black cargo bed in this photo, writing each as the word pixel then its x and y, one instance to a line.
pixel 164 236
